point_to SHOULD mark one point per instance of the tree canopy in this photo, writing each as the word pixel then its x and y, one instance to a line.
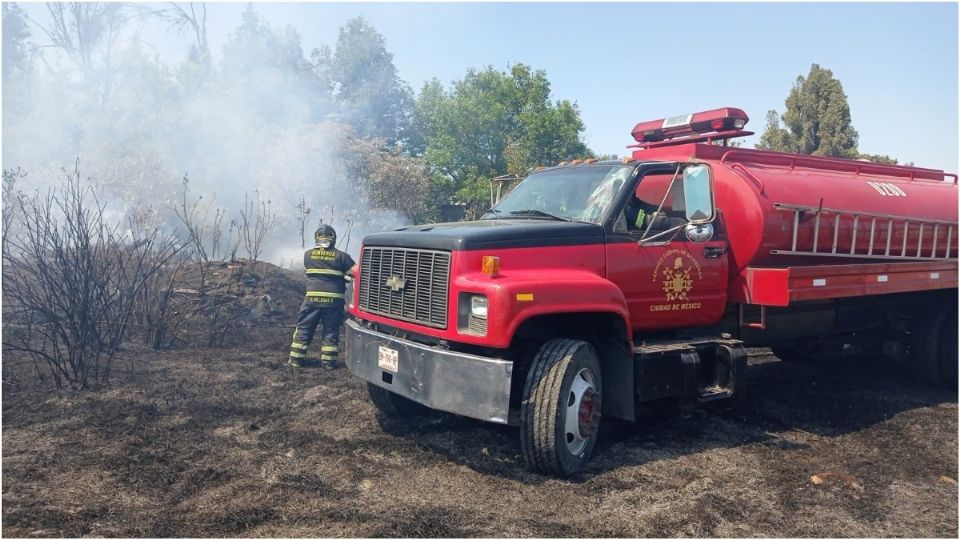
pixel 370 95
pixel 816 120
pixel 492 123
pixel 15 45
pixel 261 63
pixel 17 65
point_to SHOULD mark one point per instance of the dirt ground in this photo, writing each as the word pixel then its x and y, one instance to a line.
pixel 208 442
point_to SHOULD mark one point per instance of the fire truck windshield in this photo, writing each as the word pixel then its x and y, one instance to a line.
pixel 569 193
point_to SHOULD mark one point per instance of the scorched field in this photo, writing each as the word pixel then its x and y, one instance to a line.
pixel 214 442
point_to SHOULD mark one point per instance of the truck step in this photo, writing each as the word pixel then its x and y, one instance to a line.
pixel 697 369
pixel 679 344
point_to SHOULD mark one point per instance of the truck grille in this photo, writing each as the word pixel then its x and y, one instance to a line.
pixel 405 284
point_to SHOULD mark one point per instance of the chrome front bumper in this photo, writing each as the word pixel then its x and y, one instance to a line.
pixel 464 384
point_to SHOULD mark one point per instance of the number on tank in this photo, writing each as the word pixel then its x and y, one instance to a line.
pixel 887 189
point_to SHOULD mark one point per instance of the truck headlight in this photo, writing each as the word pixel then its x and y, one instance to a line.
pixel 478 307
pixel 472 313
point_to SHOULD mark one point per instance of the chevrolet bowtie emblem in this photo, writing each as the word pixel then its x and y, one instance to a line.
pixel 395 283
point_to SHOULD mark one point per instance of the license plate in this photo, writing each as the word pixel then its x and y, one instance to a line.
pixel 388 359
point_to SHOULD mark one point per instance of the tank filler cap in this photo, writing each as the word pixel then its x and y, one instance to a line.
pixel 724 122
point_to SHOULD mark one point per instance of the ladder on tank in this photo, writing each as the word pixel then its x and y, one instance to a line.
pixel 878 222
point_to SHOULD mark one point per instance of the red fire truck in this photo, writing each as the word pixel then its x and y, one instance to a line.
pixel 596 287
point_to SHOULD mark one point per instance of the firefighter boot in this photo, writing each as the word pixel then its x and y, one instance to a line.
pixel 328 356
pixel 298 353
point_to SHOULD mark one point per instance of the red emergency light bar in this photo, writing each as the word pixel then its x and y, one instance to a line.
pixel 715 121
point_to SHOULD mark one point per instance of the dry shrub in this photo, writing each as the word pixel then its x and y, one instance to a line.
pixel 391 179
pixel 71 280
pixel 196 294
pixel 256 220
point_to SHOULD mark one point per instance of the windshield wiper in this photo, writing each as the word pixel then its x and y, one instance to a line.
pixel 540 213
pixel 493 211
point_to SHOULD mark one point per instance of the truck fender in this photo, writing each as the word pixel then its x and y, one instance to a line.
pixel 524 295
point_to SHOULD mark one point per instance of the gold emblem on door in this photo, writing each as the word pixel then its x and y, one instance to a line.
pixel 677 271
pixel 676 280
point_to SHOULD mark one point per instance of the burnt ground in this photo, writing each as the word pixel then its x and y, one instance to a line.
pixel 207 442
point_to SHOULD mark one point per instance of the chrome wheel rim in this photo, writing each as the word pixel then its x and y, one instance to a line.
pixel 581 412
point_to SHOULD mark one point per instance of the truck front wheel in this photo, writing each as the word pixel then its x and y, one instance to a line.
pixel 560 413
pixel 392 405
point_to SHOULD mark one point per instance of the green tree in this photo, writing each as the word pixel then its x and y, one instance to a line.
pixel 16 61
pixel 775 137
pixel 390 179
pixel 17 68
pixel 369 93
pixel 251 44
pixel 816 120
pixel 492 123
pixel 260 64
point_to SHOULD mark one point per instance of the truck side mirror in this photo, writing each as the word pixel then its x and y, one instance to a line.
pixel 699 233
pixel 697 195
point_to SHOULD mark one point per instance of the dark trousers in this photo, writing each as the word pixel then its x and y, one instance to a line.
pixel 313 313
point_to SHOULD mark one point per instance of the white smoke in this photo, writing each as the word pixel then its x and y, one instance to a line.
pixel 247 127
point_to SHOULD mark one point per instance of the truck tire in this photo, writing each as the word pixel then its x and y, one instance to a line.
pixel 933 349
pixel 392 405
pixel 560 412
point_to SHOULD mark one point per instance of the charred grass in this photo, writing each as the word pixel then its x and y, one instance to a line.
pixel 207 442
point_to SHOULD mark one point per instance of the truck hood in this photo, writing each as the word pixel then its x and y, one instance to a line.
pixel 489 234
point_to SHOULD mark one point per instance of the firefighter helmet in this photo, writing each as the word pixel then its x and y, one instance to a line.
pixel 325 236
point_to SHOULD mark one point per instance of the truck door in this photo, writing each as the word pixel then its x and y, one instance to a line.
pixel 669 279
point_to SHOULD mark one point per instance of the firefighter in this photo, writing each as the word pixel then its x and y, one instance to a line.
pixel 327 268
pixel 638 213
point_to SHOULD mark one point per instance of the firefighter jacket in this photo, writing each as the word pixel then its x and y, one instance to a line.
pixel 326 268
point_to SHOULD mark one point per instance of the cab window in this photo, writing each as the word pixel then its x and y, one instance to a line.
pixel 640 211
pixel 579 193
